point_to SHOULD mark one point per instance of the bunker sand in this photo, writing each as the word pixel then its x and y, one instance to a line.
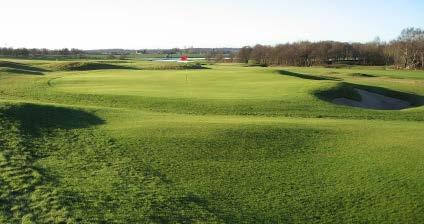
pixel 374 101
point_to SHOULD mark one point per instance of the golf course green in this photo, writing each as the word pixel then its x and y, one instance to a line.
pixel 128 141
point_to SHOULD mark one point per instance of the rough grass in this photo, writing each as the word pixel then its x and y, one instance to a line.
pixel 26 194
pixel 229 144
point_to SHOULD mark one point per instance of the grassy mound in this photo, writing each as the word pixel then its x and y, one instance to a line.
pixel 20 68
pixel 357 74
pixel 338 66
pixel 175 66
pixel 333 73
pixel 19 71
pixel 85 66
pixel 108 65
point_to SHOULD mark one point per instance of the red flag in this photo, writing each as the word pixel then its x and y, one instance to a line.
pixel 184 58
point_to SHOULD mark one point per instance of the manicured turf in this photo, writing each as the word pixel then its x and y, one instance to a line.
pixel 128 143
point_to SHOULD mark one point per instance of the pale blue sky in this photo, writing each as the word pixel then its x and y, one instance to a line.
pixel 200 23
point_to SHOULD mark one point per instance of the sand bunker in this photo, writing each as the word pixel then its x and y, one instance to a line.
pixel 374 101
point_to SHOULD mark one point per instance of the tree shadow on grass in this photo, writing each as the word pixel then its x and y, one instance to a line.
pixel 21 145
pixel 33 118
pixel 306 76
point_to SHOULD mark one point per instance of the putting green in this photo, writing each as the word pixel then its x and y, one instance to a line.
pixel 204 84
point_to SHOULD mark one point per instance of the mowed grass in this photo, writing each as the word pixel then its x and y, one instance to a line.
pixel 228 144
pixel 220 84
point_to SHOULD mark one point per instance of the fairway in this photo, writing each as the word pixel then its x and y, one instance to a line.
pixel 150 142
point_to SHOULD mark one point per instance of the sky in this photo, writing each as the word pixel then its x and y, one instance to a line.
pixel 140 24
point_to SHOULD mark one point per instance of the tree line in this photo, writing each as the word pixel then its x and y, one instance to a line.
pixel 34 52
pixel 407 52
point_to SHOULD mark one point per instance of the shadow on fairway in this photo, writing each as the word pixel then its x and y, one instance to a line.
pixel 33 118
pixel 306 76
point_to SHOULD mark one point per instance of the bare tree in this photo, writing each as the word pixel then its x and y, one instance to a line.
pixel 405 52
pixel 244 54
